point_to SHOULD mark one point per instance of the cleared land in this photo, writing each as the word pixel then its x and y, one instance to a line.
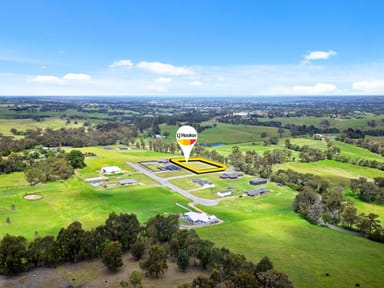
pixel 358 121
pixel 227 133
pixel 336 172
pixel 94 274
pixel 22 124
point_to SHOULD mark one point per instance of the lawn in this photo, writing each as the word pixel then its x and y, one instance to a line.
pixel 266 225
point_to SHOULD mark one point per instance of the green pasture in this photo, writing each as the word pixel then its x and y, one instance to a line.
pixel 23 124
pixel 266 225
pixel 354 152
pixel 74 200
pixel 356 121
pixel 310 142
pixel 337 173
pixel 227 133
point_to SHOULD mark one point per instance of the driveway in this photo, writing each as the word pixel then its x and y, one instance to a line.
pixel 164 182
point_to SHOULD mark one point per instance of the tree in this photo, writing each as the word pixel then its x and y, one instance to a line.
pixel 32 175
pixel 271 278
pixel 201 282
pixel 155 265
pixel 70 241
pixel 162 228
pixel 204 248
pixel 349 214
pixel 12 255
pixel 43 252
pixel 264 265
pixel 76 159
pixel 138 248
pixel 183 260
pixel 135 279
pixel 244 280
pixel 112 256
pixel 287 143
pixel 123 228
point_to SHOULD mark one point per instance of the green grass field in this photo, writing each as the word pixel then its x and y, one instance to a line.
pixel 75 200
pixel 354 152
pixel 337 173
pixel 254 227
pixel 227 133
pixel 317 144
pixel 22 124
pixel 357 121
pixel 239 186
pixel 266 225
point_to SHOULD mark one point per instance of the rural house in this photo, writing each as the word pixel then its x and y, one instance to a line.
pixel 110 170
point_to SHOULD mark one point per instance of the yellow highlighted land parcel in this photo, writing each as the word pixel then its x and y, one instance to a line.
pixel 199 165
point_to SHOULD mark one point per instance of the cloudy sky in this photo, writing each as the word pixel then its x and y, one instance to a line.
pixel 199 47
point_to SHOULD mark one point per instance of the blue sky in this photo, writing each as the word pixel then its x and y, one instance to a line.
pixel 194 47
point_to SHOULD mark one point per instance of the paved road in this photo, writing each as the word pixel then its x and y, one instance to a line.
pixel 164 182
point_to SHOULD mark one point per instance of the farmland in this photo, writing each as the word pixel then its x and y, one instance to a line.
pixel 253 226
pixel 228 134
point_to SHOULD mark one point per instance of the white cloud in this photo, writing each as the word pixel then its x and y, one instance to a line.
pixel 196 83
pixel 47 79
pixel 369 86
pixel 157 88
pixel 163 80
pixel 76 76
pixel 163 68
pixel 318 55
pixel 51 79
pixel 318 88
pixel 122 63
pixel 242 80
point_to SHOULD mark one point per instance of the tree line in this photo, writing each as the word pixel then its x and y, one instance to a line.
pixel 153 245
pixel 321 204
pixel 368 191
pixel 295 130
pixel 366 143
pixel 255 164
pixel 308 154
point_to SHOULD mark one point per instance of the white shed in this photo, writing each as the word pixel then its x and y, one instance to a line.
pixel 110 170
